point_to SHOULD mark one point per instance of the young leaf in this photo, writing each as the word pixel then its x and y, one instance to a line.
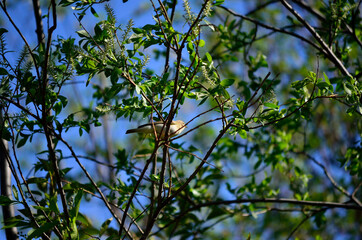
pixel 227 82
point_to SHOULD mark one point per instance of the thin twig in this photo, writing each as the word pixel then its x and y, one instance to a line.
pixel 350 30
pixel 335 185
pixel 190 153
pixel 111 203
pixel 281 30
pixel 314 33
pixel 261 6
pixel 334 96
pixel 300 224
pixel 94 183
pixel 136 187
pixel 3 7
pixel 20 189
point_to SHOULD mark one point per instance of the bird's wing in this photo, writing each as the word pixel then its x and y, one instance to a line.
pixel 150 124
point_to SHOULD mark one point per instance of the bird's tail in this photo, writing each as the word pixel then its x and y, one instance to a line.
pixel 132 131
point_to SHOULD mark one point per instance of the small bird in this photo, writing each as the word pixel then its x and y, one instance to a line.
pixel 176 128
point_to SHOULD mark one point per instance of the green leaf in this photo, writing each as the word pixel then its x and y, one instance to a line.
pixel 94 12
pixel 16 221
pixel 216 212
pixel 249 237
pixel 82 33
pixel 76 204
pixel 53 206
pixel 326 78
pixel 65 3
pixel 218 2
pixel 36 180
pixel 208 56
pixel 3 30
pixel 15 192
pixel 5 201
pixel 97 124
pixel 3 71
pixel 89 78
pixel 105 226
pixel 5 134
pixel 346 89
pixel 320 219
pixel 242 133
pixel 201 43
pixel 138 90
pixel 63 99
pixel 190 46
pixel 155 177
pixel 271 105
pixel 227 82
pixel 37 232
pixel 57 108
pixel 22 141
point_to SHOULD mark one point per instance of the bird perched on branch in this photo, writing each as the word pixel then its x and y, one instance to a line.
pixel 176 128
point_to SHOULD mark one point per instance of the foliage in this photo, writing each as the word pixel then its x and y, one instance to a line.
pixel 272 147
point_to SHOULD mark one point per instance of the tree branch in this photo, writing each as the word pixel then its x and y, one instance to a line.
pixel 38 21
pixel 330 53
pixel 281 30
